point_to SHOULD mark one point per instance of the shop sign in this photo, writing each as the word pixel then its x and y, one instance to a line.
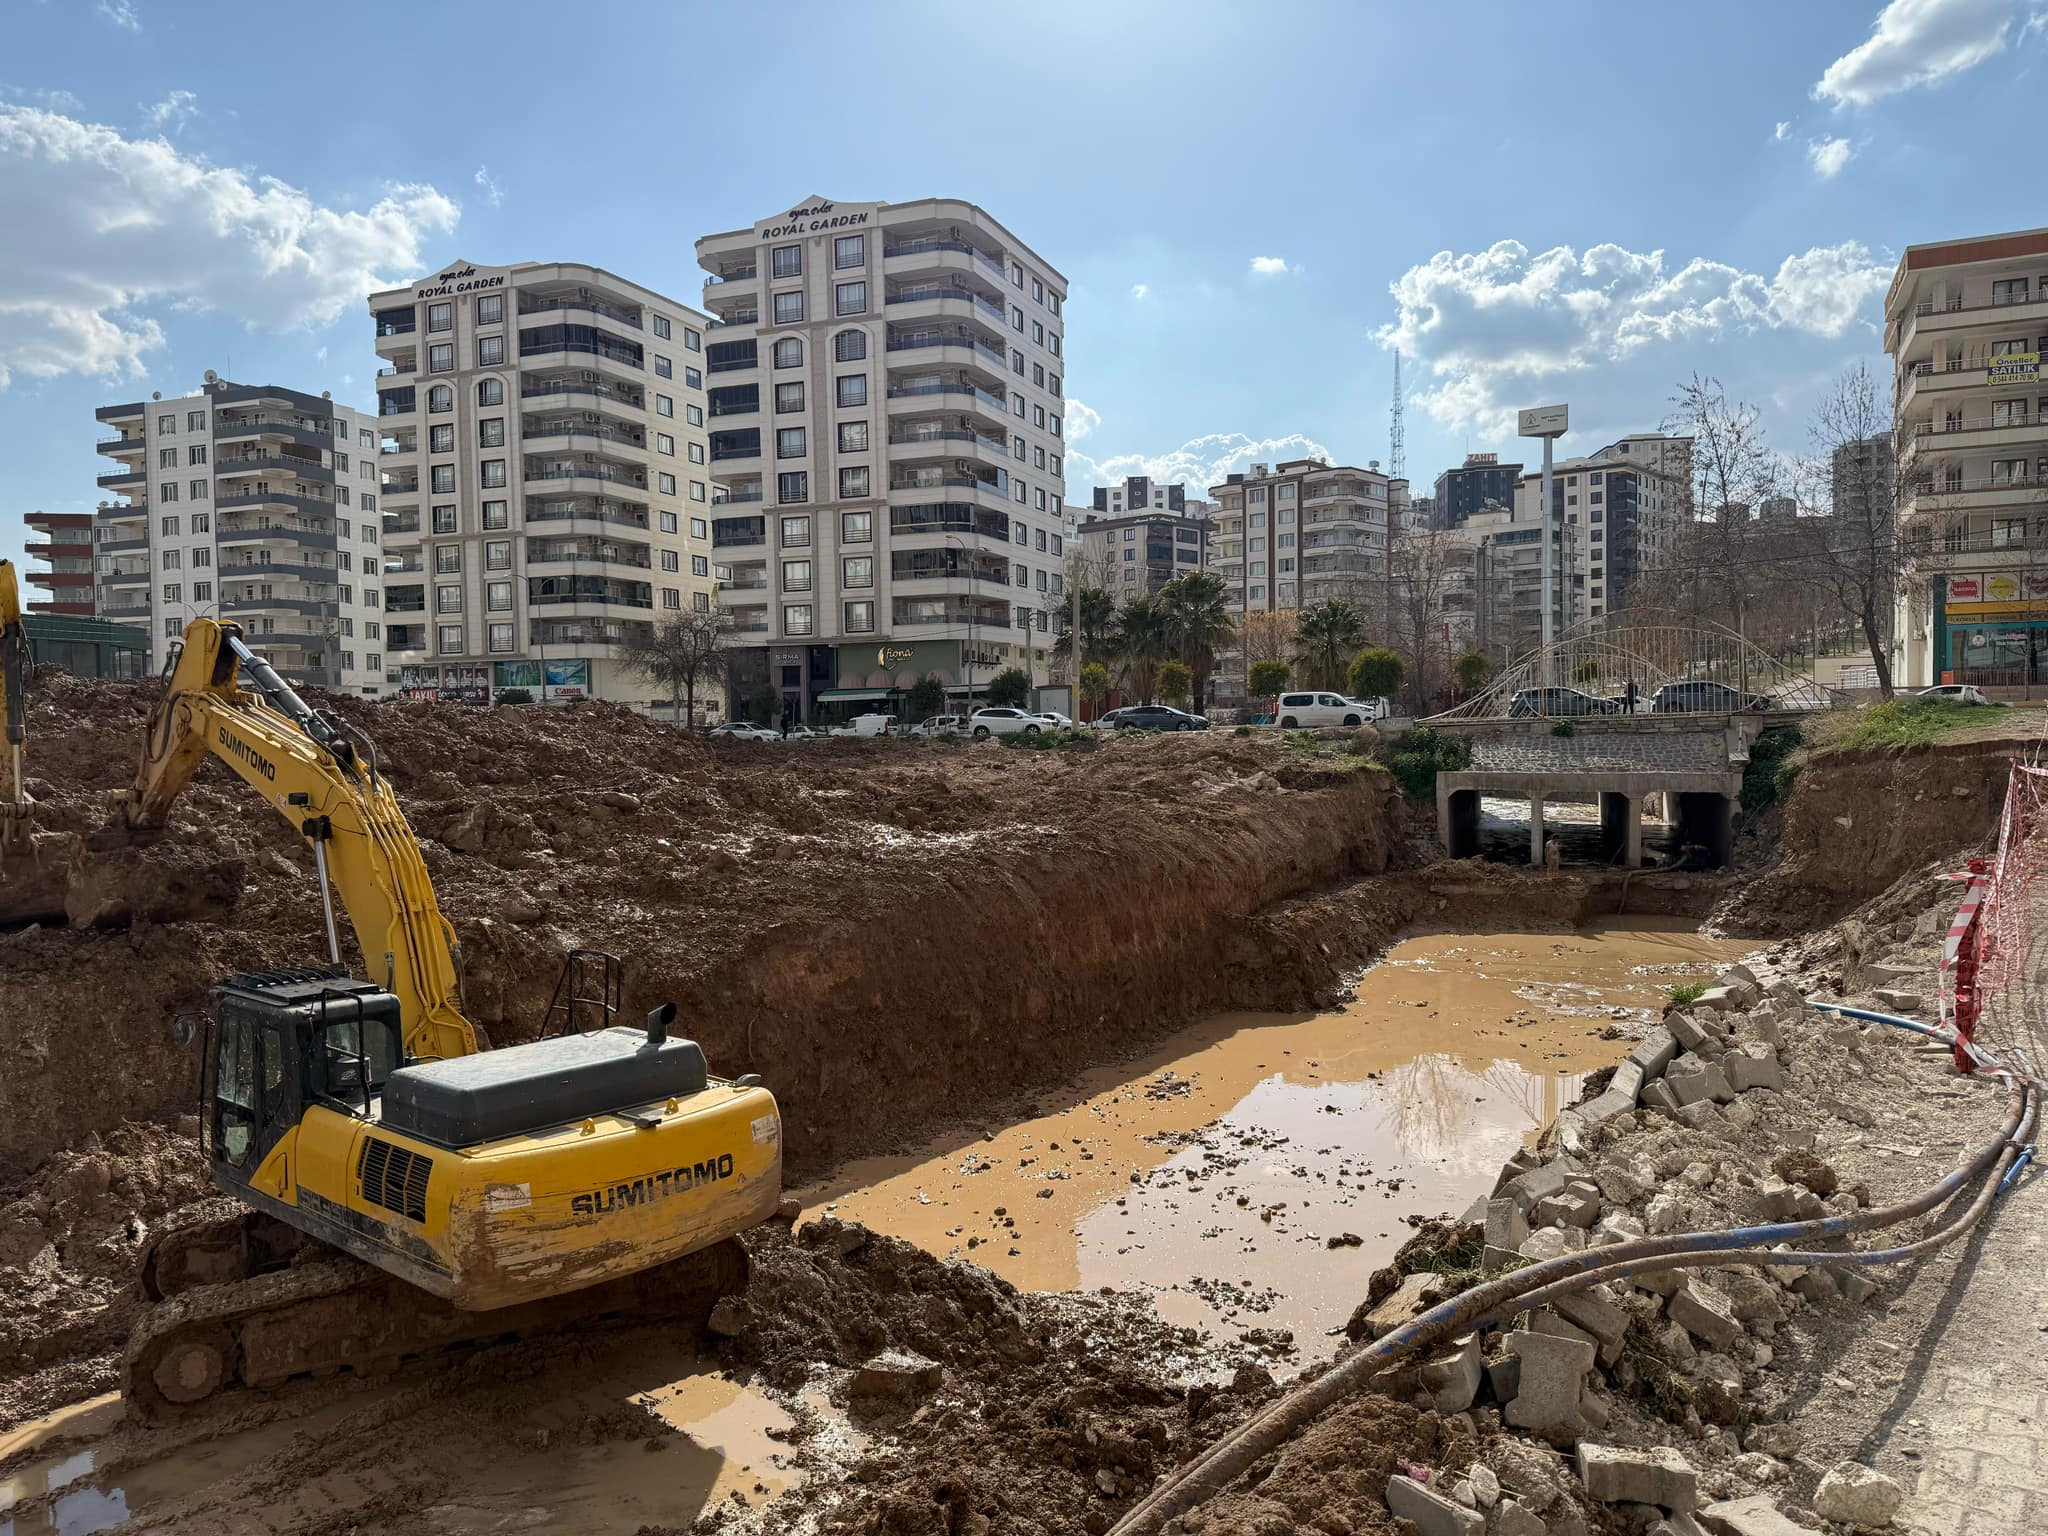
pixel 562 679
pixel 817 216
pixel 462 279
pixel 1965 589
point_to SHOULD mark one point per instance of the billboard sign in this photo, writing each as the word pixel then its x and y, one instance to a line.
pixel 1543 421
pixel 2014 368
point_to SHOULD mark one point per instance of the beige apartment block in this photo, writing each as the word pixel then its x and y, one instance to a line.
pixel 1292 535
pixel 887 400
pixel 250 503
pixel 1966 325
pixel 546 478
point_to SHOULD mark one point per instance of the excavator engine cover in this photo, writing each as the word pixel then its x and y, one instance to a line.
pixel 522 1088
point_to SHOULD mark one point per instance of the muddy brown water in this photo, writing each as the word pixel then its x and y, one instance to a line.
pixel 1254 1171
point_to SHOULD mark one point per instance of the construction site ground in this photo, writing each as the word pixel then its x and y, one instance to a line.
pixel 1204 1000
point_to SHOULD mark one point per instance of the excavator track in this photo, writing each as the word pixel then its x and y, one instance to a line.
pixel 328 1314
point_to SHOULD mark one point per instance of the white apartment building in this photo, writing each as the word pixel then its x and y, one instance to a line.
pixel 1138 555
pixel 887 449
pixel 1966 325
pixel 1141 493
pixel 1294 534
pixel 252 503
pixel 1621 510
pixel 546 484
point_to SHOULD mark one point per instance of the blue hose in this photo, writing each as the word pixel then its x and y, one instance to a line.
pixel 1944 1036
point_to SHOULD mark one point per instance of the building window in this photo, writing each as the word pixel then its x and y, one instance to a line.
pixel 1016 319
pixel 853 437
pixel 786 261
pixel 849 251
pixel 498 554
pixel 494 514
pixel 693 341
pixel 1054 423
pixel 1038 333
pixel 671 561
pixel 664 405
pixel 796 533
pixel 1038 417
pixel 1017 449
pixel 788 397
pixel 668 522
pixel 1020 492
pixel 699 566
pixel 167 458
pixel 699 529
pixel 790 443
pixel 168 491
pixel 664 443
pixel 857 571
pixel 167 426
pixel 849 346
pixel 850 298
pixel 663 368
pixel 440 398
pixel 793 487
pixel 796 575
pixel 440 317
pixel 853 481
pixel 696 452
pixel 691 376
pixel 1038 458
pixel 665 483
pixel 860 618
pixel 448 559
pixel 490 351
pixel 449 638
pixel 696 486
pixel 796 619
pixel 789 353
pixel 441 357
pixel 490 392
pixel 1052 343
pixel 444 517
pixel 490 309
pixel 202 592
pixel 856 527
pixel 490 433
pixel 492 473
pixel 196 454
pixel 441 438
pixel 853 390
pixel 1017 406
pixel 661 327
pixel 671 598
pixel 448 598
pixel 168 526
pixel 500 637
pixel 789 307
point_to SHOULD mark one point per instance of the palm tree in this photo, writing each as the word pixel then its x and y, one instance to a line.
pixel 1325 639
pixel 1140 643
pixel 1098 622
pixel 1196 611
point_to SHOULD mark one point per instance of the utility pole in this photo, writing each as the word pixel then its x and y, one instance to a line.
pixel 1548 422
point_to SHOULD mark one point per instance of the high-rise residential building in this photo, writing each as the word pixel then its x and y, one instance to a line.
pixel 63 542
pixel 888 449
pixel 1966 325
pixel 1137 555
pixel 1620 509
pixel 1139 493
pixel 1294 534
pixel 546 485
pixel 254 503
pixel 1482 481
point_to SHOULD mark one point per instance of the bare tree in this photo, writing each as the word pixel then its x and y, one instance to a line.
pixel 1853 553
pixel 1419 578
pixel 680 651
pixel 1735 479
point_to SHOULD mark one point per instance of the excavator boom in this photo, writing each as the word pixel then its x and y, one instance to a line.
pixel 16 666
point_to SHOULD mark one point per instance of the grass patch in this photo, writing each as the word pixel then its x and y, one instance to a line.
pixel 1911 723
pixel 1688 992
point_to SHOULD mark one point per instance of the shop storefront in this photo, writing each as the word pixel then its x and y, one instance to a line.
pixel 877 678
pixel 1991 628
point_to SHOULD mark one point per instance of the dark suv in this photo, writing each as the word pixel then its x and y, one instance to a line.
pixel 1558 701
pixel 1154 717
pixel 1699 697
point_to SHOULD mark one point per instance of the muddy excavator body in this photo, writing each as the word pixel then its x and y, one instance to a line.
pixel 405 1190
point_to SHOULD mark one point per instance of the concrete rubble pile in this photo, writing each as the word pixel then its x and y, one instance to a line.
pixel 1666 1147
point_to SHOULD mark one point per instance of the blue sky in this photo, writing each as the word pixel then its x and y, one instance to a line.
pixel 1252 203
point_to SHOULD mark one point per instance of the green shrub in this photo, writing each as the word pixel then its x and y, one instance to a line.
pixel 1688 992
pixel 1424 753
pixel 1564 728
pixel 1767 777
pixel 1913 722
pixel 1242 730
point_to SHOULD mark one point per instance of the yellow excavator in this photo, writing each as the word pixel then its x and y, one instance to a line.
pixel 404 1189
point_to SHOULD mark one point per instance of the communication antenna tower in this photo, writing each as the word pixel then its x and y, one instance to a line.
pixel 1397 433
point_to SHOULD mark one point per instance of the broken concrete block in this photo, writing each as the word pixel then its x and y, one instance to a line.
pixel 1615 1227
pixel 1433 1514
pixel 1816 1285
pixel 1676 1525
pixel 1759 1470
pixel 1779 1200
pixel 1702 1312
pixel 1452 1378
pixel 1856 1285
pixel 1897 1000
pixel 1549 1243
pixel 1527 1188
pixel 1694 1078
pixel 1653 1053
pixel 1663 1214
pixel 1594 1310
pixel 1627 1079
pixel 1598 1111
pixel 1783 1441
pixel 1658 1095
pixel 1639 1475
pixel 1752 1516
pixel 1570 1209
pixel 1738 972
pixel 1704 1116
pixel 1717 1388
pixel 1503 1377
pixel 1553 1371
pixel 1733 997
pixel 1770 1029
pixel 1414 1294
pixel 1514 1519
pixel 1507 1224
pixel 898 1374
pixel 1689 1032
pixel 1753 1066
pixel 1545 1320
pixel 1596 1408
pixel 1661 1282
pixel 1857 1494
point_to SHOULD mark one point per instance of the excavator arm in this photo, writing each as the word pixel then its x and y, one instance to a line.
pixel 16 663
pixel 321 775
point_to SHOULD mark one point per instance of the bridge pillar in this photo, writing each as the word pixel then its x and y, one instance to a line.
pixel 1460 828
pixel 1536 829
pixel 1621 828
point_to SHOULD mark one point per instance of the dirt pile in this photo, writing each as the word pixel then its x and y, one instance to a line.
pixel 822 914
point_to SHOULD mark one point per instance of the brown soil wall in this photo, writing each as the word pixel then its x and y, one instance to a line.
pixel 888 933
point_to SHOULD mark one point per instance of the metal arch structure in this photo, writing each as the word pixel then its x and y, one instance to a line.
pixel 1587 672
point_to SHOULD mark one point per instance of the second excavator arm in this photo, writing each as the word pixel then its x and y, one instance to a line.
pixel 321 775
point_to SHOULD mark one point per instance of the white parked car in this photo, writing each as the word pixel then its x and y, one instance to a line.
pixel 1962 693
pixel 802 733
pixel 866 725
pixel 941 725
pixel 1059 721
pixel 1375 709
pixel 1005 722
pixel 745 730
pixel 1306 711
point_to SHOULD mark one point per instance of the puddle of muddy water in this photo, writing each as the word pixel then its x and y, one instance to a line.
pixel 1217 1173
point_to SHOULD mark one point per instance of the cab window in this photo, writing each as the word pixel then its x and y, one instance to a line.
pixel 234 1089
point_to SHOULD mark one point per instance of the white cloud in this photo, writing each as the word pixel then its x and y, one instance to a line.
pixel 1268 266
pixel 1829 156
pixel 173 112
pixel 1140 290
pixel 493 193
pixel 1915 43
pixel 104 234
pixel 320 355
pixel 1497 328
pixel 54 101
pixel 122 14
pixel 2036 24
pixel 1782 132
pixel 1201 461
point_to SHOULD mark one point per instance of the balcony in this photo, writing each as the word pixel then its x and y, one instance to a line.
pixel 275 533
pixel 947 565
pixel 950 389
pixel 273 464
pixel 586 551
pixel 940 246
pixel 2030 315
pixel 946 293
pixel 398 402
pixel 618 514
pixel 1972 434
pixel 749 621
pixel 926 339
pixel 124 480
pixel 583 302
pixel 997 488
pixel 401 485
pixel 403 327
pixel 596 591
pixel 393 370
pixel 584 637
pixel 1920 544
pixel 737 497
pixel 117 446
pixel 732 318
pixel 227 429
pixel 607 474
pixel 1972 492
pixel 593 431
pixel 617 394
pixel 740 274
